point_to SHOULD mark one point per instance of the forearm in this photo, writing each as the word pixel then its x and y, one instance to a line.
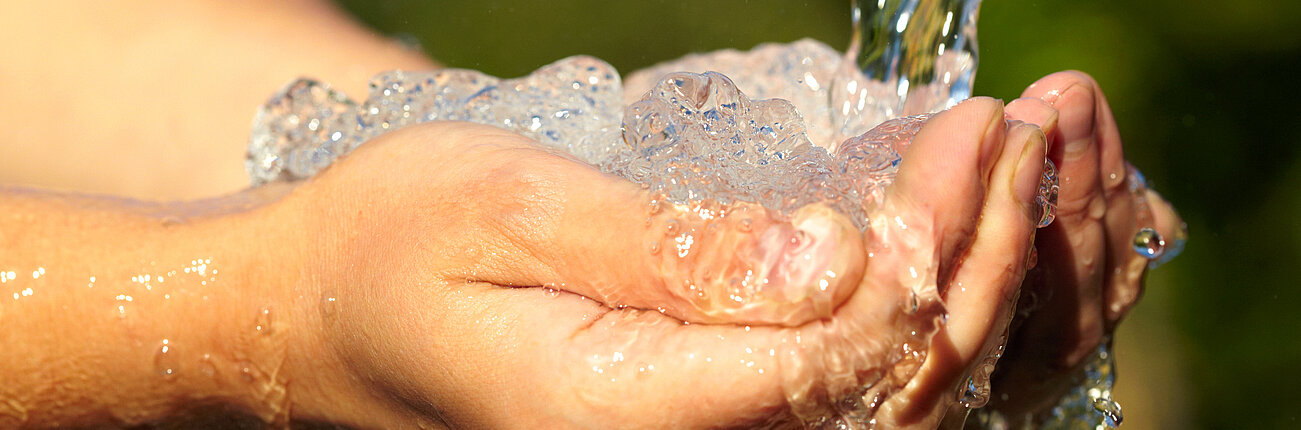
pixel 112 312
pixel 153 99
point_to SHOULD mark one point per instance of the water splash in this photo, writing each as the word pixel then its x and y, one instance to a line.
pixel 1087 406
pixel 913 56
pixel 782 125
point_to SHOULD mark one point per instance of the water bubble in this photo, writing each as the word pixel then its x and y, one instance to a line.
pixel 671 228
pixel 166 362
pixel 551 292
pixel 1046 198
pixel 1148 243
pixel 1110 411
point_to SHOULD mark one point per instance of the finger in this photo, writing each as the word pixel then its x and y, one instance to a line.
pixel 558 223
pixel 495 356
pixel 1168 223
pixel 874 337
pixel 1073 251
pixel 942 178
pixel 929 215
pixel 1035 111
pixel 983 291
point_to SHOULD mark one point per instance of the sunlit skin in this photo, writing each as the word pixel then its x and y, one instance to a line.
pixel 412 292
pixel 1088 276
pixel 405 284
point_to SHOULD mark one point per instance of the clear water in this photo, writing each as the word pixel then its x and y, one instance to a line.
pixel 1087 406
pixel 785 127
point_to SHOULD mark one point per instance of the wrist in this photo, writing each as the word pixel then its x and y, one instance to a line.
pixel 250 333
pixel 129 314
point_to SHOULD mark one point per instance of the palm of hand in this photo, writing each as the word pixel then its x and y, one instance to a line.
pixel 437 236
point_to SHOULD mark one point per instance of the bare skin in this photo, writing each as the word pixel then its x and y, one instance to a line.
pixel 429 330
pixel 1088 275
pixel 388 313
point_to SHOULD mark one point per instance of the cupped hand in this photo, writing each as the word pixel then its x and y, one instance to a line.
pixel 458 275
pixel 1088 274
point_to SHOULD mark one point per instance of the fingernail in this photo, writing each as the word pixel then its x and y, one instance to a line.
pixel 989 144
pixel 1029 172
pixel 811 264
pixel 1080 117
pixel 1053 96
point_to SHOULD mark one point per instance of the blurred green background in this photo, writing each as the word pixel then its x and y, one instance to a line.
pixel 1205 94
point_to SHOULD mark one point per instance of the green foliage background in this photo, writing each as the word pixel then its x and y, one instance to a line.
pixel 1205 94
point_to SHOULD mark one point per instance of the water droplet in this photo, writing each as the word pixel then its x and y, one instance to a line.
pixel 655 248
pixel 329 305
pixel 246 370
pixel 644 370
pixel 745 224
pixel 263 322
pixel 671 228
pixel 166 362
pixel 171 220
pixel 206 367
pixel 1148 243
pixel 551 292
pixel 1110 411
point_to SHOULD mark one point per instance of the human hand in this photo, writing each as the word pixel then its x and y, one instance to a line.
pixel 1088 274
pixel 460 275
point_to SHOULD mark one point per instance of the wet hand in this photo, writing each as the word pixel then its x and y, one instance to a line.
pixel 1089 274
pixel 460 275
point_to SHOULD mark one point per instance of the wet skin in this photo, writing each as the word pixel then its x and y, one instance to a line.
pixel 1088 276
pixel 424 302
pixel 408 288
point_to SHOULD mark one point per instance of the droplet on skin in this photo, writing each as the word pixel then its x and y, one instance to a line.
pixel 263 322
pixel 1149 244
pixel 644 370
pixel 329 306
pixel 206 367
pixel 166 362
pixel 246 370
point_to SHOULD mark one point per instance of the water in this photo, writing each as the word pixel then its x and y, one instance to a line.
pixel 262 324
pixel 1148 243
pixel 737 139
pixel 923 51
pixel 166 361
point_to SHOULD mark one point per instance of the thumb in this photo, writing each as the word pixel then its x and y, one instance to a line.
pixel 580 230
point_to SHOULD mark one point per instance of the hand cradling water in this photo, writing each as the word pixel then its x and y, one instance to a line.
pixel 783 131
